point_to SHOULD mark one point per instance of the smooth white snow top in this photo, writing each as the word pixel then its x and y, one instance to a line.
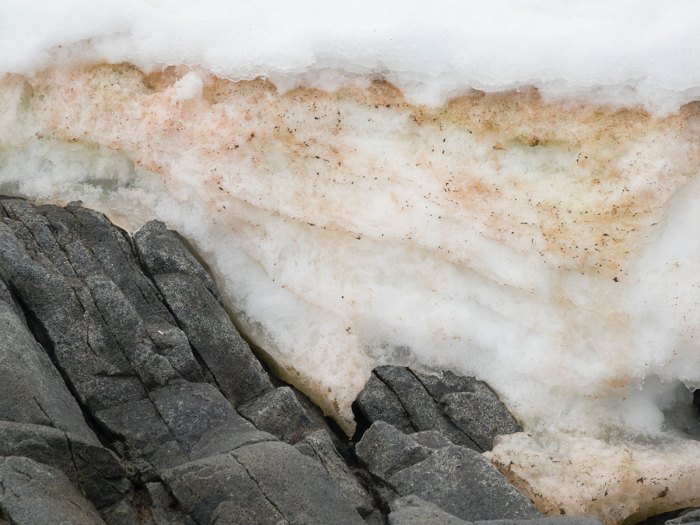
pixel 637 50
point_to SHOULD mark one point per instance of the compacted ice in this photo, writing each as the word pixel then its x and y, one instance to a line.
pixel 370 191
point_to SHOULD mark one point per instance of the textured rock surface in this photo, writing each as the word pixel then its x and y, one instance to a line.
pixel 463 483
pixel 95 470
pixel 386 450
pixel 431 439
pixel 32 389
pixel 280 413
pixel 377 402
pixel 471 406
pixel 455 479
pixel 298 486
pixel 320 445
pixel 122 371
pixel 691 516
pixel 412 510
pixel 212 335
pixel 461 409
pixel 32 493
pixel 129 397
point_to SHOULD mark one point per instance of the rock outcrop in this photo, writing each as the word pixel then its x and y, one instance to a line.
pixel 461 409
pixel 122 371
pixel 127 396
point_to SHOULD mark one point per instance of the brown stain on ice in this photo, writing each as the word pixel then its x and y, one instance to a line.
pixel 600 221
pixel 558 179
pixel 626 490
pixel 578 185
pixel 588 213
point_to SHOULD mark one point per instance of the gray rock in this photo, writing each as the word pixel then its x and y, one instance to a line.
pixel 163 251
pixel 557 520
pixel 158 495
pixel 35 231
pixel 121 513
pixel 211 333
pixel 686 518
pixel 70 326
pixel 75 273
pixel 110 252
pixel 100 474
pixel 280 413
pixel 193 411
pixel 223 441
pixel 203 486
pixel 431 439
pixel 142 428
pixel 321 447
pixel 36 494
pixel 228 513
pixel 304 448
pixel 95 470
pixel 7 297
pixel 32 389
pixel 43 444
pixel 375 518
pixel 377 402
pixel 98 249
pixel 463 483
pixel 152 506
pixel 480 415
pixel 385 450
pixel 471 405
pixel 136 348
pixel 412 510
pixel 129 332
pixel 138 510
pixel 446 382
pixel 299 487
pixel 163 508
pixel 424 411
pixel 463 410
pixel 171 342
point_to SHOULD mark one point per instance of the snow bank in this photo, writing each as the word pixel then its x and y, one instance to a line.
pixel 642 52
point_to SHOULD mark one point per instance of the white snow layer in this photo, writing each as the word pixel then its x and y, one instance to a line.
pixel 640 51
pixel 545 240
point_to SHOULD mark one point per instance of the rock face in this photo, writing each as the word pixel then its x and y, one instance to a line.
pixel 127 396
pixel 461 409
pixel 35 493
pixel 122 372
